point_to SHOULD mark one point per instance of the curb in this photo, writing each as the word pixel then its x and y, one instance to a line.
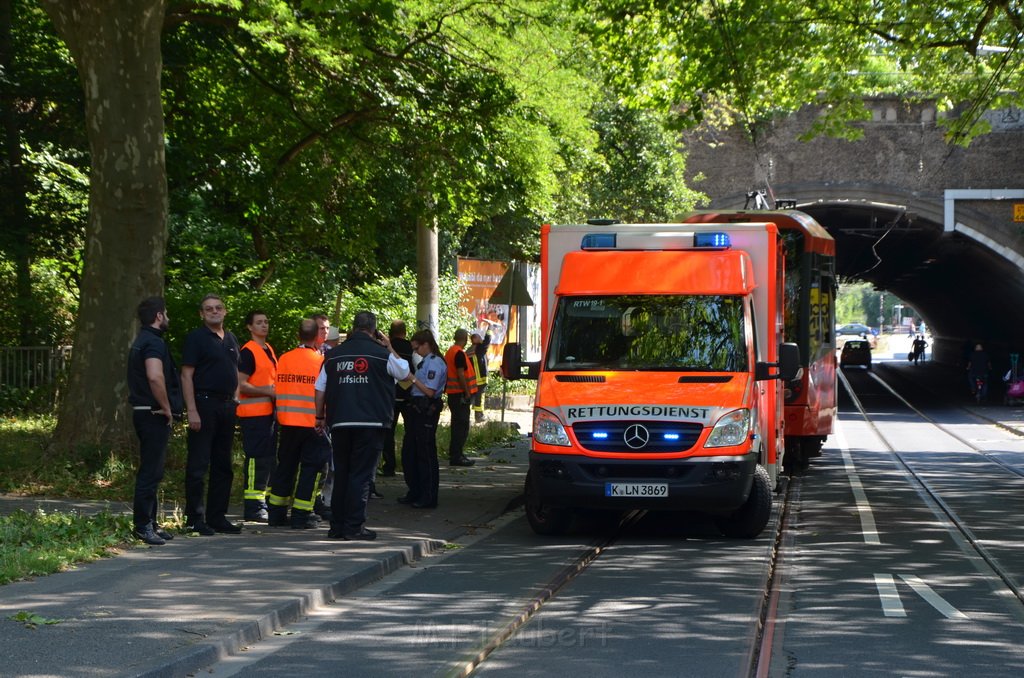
pixel 217 649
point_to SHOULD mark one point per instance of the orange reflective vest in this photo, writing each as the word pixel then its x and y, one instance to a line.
pixel 453 385
pixel 297 371
pixel 258 406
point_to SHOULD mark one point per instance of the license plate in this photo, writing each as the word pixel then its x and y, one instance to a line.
pixel 636 489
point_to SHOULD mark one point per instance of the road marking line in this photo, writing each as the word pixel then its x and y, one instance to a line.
pixel 867 517
pixel 933 598
pixel 892 606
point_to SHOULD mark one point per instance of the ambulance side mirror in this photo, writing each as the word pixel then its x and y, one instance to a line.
pixel 788 365
pixel 512 364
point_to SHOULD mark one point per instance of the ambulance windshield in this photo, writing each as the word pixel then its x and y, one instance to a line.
pixel 642 332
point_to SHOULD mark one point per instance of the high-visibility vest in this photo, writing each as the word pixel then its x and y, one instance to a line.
pixel 258 406
pixel 474 361
pixel 297 371
pixel 453 385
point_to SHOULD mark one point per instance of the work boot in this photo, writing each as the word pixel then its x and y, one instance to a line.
pixel 277 516
pixel 149 535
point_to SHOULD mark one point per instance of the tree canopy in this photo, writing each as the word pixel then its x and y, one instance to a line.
pixel 293 149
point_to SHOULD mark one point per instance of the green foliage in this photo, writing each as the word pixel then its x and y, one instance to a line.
pixel 759 59
pixel 40 543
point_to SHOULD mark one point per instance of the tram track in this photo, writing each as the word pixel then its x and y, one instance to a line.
pixel 759 639
pixel 966 537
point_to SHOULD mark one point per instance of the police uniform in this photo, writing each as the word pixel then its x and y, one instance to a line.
pixel 458 402
pixel 420 464
pixel 358 385
pixel 257 424
pixel 214 383
pixel 151 426
pixel 303 451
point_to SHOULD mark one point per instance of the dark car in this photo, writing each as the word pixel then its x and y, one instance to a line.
pixel 856 352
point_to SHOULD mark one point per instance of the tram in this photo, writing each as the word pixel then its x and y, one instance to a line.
pixel 810 309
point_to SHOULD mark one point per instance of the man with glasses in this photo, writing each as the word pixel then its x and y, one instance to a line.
pixel 209 381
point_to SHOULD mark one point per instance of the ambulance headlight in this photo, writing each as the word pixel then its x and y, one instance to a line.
pixel 548 430
pixel 732 429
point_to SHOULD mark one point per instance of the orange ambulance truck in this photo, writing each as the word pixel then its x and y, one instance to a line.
pixel 660 385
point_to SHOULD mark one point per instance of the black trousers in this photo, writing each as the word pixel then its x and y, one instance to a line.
pixel 423 416
pixel 356 450
pixel 153 433
pixel 460 426
pixel 301 457
pixel 388 454
pixel 209 452
pixel 259 440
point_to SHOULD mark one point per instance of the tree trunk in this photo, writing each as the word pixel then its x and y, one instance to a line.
pixel 116 48
pixel 427 305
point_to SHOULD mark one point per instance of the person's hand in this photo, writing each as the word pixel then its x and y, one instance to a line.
pixel 167 413
pixel 194 423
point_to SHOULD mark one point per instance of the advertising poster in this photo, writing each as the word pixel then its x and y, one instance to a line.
pixel 480 278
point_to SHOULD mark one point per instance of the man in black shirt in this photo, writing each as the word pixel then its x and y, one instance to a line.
pixel 154 392
pixel 209 380
pixel 403 348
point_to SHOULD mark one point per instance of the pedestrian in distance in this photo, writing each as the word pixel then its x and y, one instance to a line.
pixel 978 367
pixel 257 368
pixel 919 348
pixel 480 342
pixel 460 387
pixel 355 394
pixel 303 450
pixel 154 392
pixel 209 382
pixel 419 450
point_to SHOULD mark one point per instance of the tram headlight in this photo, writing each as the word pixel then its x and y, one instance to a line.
pixel 731 429
pixel 548 430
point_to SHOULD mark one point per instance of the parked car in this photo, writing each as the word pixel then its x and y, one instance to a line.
pixel 856 352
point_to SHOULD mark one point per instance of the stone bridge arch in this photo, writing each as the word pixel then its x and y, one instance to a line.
pixel 931 223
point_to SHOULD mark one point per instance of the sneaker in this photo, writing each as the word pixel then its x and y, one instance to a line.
pixel 364 534
pixel 226 527
pixel 163 534
pixel 309 523
pixel 202 528
pixel 260 516
pixel 148 535
pixel 462 462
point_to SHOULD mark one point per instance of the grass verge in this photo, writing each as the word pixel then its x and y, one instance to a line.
pixel 40 543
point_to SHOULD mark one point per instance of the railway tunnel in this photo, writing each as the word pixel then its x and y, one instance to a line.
pixel 939 226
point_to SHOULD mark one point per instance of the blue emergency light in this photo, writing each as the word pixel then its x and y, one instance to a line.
pixel 671 436
pixel 600 435
pixel 711 240
pixel 598 241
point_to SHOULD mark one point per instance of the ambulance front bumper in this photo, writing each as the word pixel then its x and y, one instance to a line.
pixel 711 484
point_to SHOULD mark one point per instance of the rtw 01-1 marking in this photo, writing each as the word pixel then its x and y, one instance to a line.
pixel 892 606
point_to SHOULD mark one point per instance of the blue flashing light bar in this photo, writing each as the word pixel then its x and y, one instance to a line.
pixel 671 436
pixel 598 241
pixel 601 435
pixel 711 240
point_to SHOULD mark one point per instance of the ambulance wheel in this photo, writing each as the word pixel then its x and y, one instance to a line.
pixel 546 520
pixel 751 518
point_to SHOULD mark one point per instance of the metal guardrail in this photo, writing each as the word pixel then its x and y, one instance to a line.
pixel 30 366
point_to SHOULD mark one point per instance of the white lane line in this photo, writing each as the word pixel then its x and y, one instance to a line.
pixel 867 517
pixel 933 598
pixel 892 606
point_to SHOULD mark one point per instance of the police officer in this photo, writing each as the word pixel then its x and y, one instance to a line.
pixel 257 367
pixel 355 394
pixel 428 382
pixel 154 392
pixel 209 381
pixel 303 450
pixel 460 389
